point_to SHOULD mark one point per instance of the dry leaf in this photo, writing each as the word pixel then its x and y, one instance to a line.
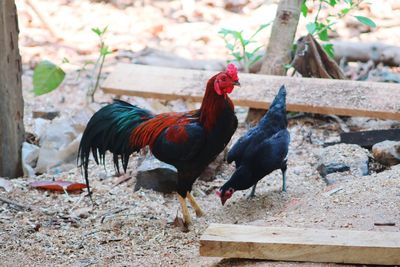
pixel 122 179
pixel 58 185
pixel 178 222
pixel 6 184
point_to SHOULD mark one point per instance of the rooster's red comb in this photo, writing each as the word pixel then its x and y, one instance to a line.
pixel 231 70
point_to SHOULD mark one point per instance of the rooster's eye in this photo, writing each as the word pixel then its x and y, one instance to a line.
pixel 223 79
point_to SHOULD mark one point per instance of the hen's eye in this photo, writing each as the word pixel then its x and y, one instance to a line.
pixel 224 79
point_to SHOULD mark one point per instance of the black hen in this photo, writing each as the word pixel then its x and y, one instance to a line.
pixel 260 151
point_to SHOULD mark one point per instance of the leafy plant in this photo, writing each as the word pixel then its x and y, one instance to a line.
pixel 238 46
pixel 319 28
pixel 47 76
pixel 98 67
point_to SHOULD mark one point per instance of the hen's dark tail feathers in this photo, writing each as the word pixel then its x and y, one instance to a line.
pixel 277 110
pixel 110 129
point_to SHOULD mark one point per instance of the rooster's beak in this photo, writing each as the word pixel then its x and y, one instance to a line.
pixel 237 83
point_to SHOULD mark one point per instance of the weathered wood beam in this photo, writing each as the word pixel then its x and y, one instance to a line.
pixel 323 96
pixel 369 138
pixel 295 244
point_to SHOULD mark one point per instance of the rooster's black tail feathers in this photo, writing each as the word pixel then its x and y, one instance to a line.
pixel 110 129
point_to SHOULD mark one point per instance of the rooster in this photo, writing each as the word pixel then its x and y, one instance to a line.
pixel 260 151
pixel 187 140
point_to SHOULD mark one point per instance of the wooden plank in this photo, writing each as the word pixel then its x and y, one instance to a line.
pixel 369 138
pixel 324 96
pixel 297 244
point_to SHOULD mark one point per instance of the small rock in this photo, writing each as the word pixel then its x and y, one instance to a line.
pixel 47 115
pixel 343 157
pixel 387 152
pixel 59 144
pixel 156 175
pixel 81 213
pixel 30 154
pixel 6 184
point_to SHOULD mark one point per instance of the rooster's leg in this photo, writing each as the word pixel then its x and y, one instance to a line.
pixel 185 211
pixel 194 204
pixel 253 191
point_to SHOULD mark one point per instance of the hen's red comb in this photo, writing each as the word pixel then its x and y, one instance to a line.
pixel 231 70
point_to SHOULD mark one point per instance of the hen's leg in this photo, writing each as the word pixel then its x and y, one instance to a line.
pixel 253 191
pixel 185 211
pixel 194 204
pixel 283 169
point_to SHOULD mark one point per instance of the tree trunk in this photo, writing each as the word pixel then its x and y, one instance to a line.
pixel 11 101
pixel 282 38
pixel 280 45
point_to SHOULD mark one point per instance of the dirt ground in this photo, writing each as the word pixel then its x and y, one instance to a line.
pixel 128 228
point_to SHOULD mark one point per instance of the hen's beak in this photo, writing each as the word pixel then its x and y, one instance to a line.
pixel 223 200
pixel 237 83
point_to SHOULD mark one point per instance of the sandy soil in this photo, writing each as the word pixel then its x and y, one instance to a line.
pixel 127 228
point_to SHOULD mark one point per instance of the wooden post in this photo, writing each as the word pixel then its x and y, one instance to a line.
pixel 11 101
pixel 279 46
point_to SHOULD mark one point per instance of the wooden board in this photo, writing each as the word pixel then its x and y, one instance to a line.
pixel 295 244
pixel 324 96
pixel 369 138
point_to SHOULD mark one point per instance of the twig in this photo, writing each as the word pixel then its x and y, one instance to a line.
pixel 12 203
pixel 110 213
pixel 341 123
pixel 76 203
pixel 333 191
pixel 385 224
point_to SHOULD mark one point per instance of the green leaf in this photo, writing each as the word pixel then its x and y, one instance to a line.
pixel 304 8
pixel 350 2
pixel 332 2
pixel 257 58
pixel 258 48
pixel 238 36
pixel 100 32
pixel 344 11
pixel 223 32
pixel 366 21
pixel 104 30
pixel 262 27
pixel 329 50
pixel 311 27
pixel 230 46
pixel 323 35
pixel 249 55
pixel 287 66
pixel 46 77
pixel 104 51
pixel 237 56
pixel 97 31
